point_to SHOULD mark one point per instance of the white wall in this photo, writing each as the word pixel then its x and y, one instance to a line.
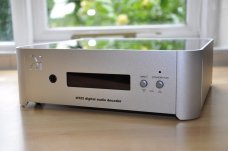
pixel 223 25
pixel 210 18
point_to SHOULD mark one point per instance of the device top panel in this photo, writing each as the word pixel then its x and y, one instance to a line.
pixel 126 44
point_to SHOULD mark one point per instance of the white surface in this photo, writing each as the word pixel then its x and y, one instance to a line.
pixel 223 25
pixel 22 22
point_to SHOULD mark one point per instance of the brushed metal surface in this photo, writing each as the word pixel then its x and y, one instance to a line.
pixel 186 76
pixel 189 84
pixel 194 79
pixel 134 63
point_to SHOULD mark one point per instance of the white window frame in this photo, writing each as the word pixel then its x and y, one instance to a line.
pixel 30 25
pixel 43 33
pixel 7 47
pixel 22 22
pixel 22 27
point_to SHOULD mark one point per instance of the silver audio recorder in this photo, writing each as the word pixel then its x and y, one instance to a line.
pixel 170 76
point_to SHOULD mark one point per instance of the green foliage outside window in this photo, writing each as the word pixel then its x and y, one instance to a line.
pixel 121 44
pixel 115 12
pixel 135 44
pixel 6 31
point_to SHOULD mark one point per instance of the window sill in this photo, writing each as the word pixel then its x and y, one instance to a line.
pixel 7 52
pixel 7 56
pixel 7 48
pixel 220 56
pixel 8 61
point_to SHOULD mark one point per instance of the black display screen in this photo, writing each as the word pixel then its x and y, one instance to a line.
pixel 97 80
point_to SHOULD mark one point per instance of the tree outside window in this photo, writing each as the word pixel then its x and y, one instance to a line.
pixel 71 13
pixel 6 30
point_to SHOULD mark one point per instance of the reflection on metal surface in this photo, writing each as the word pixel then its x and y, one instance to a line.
pixel 138 44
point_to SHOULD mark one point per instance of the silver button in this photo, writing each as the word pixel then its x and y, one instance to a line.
pixel 159 84
pixel 143 83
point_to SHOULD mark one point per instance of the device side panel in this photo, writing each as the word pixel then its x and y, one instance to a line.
pixel 21 76
pixel 189 82
pixel 207 70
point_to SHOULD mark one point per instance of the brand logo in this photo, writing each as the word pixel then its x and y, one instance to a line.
pixel 36 62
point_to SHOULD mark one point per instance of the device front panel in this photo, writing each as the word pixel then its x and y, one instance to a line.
pixel 128 80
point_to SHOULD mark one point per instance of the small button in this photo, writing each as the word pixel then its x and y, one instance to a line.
pixel 159 84
pixel 52 78
pixel 143 83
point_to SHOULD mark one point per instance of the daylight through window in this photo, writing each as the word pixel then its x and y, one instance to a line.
pixel 6 30
pixel 73 13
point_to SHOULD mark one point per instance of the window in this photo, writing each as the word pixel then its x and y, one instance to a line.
pixel 39 20
pixel 85 17
pixel 63 13
pixel 16 23
pixel 6 29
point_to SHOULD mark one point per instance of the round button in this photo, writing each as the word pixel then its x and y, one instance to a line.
pixel 52 78
pixel 143 83
pixel 159 84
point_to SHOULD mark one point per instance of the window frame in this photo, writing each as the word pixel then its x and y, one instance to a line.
pixel 22 27
pixel 7 47
pixel 43 33
pixel 29 25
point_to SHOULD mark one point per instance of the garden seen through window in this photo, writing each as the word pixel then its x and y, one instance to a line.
pixel 6 30
pixel 73 13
